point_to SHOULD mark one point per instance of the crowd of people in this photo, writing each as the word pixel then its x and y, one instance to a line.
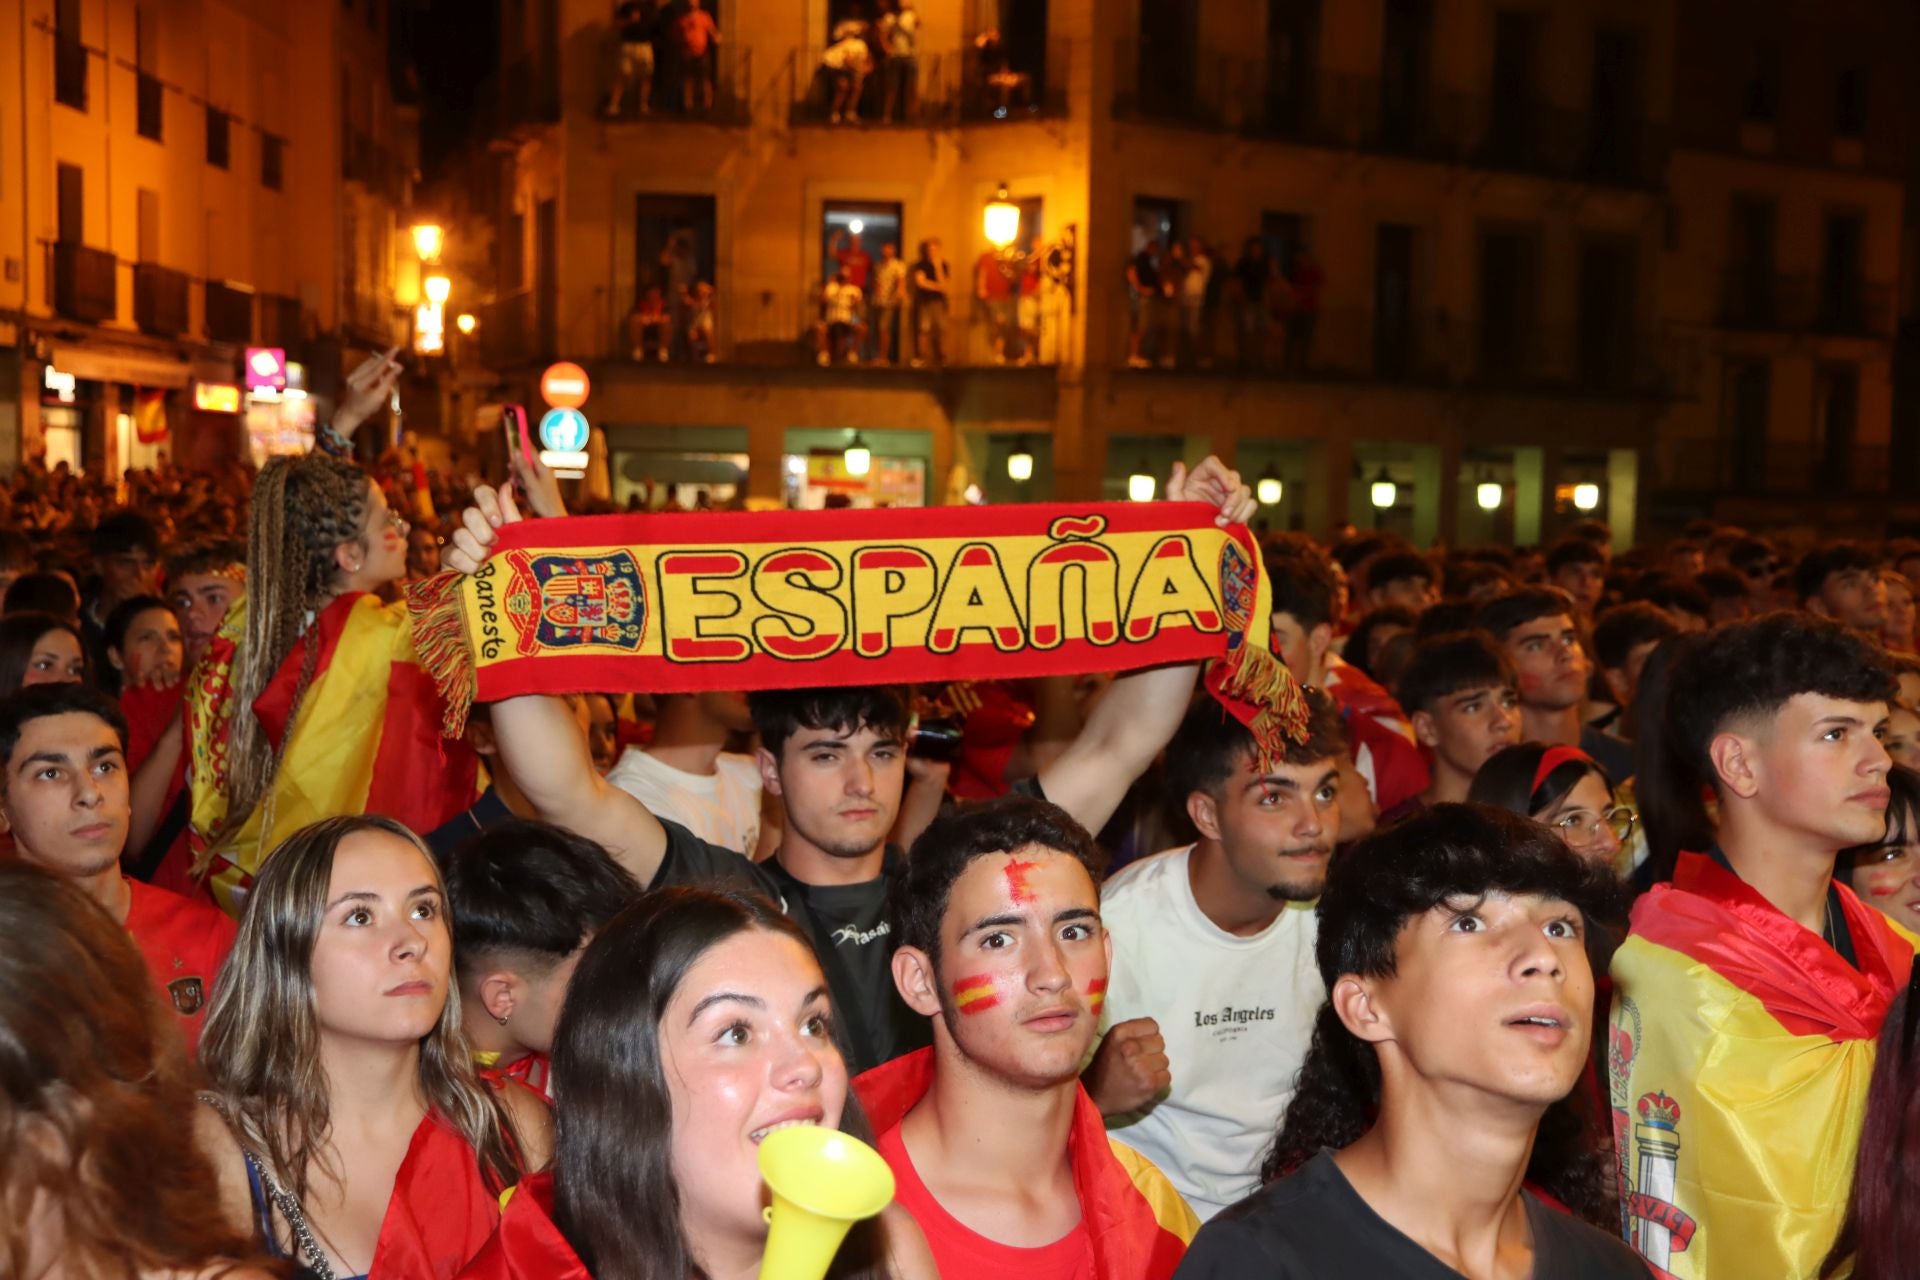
pixel 1188 306
pixel 1572 936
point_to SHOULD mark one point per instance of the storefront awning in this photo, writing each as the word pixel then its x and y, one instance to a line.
pixel 140 368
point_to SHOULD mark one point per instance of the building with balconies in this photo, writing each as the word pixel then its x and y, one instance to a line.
pixel 1461 205
pixel 186 179
pixel 1782 261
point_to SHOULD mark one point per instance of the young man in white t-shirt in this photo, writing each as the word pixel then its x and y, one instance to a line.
pixel 1214 988
pixel 687 775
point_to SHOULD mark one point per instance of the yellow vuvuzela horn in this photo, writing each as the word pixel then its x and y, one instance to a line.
pixel 823 1182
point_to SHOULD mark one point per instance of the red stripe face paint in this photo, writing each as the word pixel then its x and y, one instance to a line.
pixel 1096 995
pixel 1016 873
pixel 976 994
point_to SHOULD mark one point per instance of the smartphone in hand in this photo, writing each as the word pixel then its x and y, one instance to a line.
pixel 514 422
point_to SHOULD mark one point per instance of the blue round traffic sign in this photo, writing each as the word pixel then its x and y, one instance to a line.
pixel 564 430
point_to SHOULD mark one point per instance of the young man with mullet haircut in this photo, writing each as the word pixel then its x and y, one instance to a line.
pixel 1214 990
pixel 996 1150
pixel 1434 1098
pixel 1750 990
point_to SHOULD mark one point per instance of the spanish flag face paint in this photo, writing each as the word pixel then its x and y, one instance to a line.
pixel 976 994
pixel 1096 996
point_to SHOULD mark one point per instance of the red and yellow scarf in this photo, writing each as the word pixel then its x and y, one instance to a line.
pixel 683 603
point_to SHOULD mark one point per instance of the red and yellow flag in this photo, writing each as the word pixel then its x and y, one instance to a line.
pixel 689 602
pixel 365 738
pixel 1740 1049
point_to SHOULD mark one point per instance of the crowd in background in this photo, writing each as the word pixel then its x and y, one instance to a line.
pixel 1064 932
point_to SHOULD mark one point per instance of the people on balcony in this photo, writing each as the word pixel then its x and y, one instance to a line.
pixel 889 292
pixel 638 22
pixel 843 305
pixel 649 327
pixel 696 40
pixel 700 323
pixel 1253 274
pixel 930 278
pixel 994 289
pixel 846 64
pixel 899 31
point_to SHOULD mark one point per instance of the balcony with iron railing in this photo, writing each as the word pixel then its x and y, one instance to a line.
pixel 1743 466
pixel 160 304
pixel 1768 302
pixel 1230 92
pixel 717 91
pixel 1418 348
pixel 998 86
pixel 84 282
pixel 929 102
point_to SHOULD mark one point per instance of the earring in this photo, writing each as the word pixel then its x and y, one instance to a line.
pixel 502 1018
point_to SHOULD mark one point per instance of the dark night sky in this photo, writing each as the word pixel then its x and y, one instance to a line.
pixel 453 44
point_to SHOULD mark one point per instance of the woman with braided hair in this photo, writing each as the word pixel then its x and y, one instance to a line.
pixel 311 702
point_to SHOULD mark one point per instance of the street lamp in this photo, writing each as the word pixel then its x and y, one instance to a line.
pixel 428 240
pixel 439 289
pixel 1003 220
pixel 1020 462
pixel 1140 484
pixel 1384 491
pixel 1268 488
pixel 1586 496
pixel 465 322
pixel 1489 495
pixel 858 457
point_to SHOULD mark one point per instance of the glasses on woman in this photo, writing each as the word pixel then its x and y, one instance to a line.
pixel 398 523
pixel 1583 826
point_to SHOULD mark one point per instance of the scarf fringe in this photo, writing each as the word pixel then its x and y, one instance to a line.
pixel 1259 691
pixel 440 639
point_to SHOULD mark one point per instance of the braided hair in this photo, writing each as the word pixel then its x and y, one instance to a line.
pixel 303 509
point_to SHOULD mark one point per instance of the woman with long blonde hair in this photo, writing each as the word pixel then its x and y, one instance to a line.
pixel 310 701
pixel 99 1172
pixel 358 1139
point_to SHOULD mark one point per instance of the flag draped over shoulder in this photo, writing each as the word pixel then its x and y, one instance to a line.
pixel 1740 1050
pixel 682 603
pixel 366 738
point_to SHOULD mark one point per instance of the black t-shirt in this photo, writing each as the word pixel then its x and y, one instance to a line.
pixel 849 929
pixel 1312 1225
pixel 1146 270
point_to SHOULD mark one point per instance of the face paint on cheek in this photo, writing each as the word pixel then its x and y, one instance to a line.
pixel 976 994
pixel 1886 891
pixel 1096 995
pixel 1531 683
pixel 1016 873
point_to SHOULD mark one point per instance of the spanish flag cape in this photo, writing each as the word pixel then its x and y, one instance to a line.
pixel 1138 1224
pixel 442 1211
pixel 366 739
pixel 1741 1045
pixel 528 1246
pixel 691 602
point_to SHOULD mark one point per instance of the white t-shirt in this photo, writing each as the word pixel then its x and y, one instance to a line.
pixel 722 809
pixel 843 302
pixel 1237 1015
